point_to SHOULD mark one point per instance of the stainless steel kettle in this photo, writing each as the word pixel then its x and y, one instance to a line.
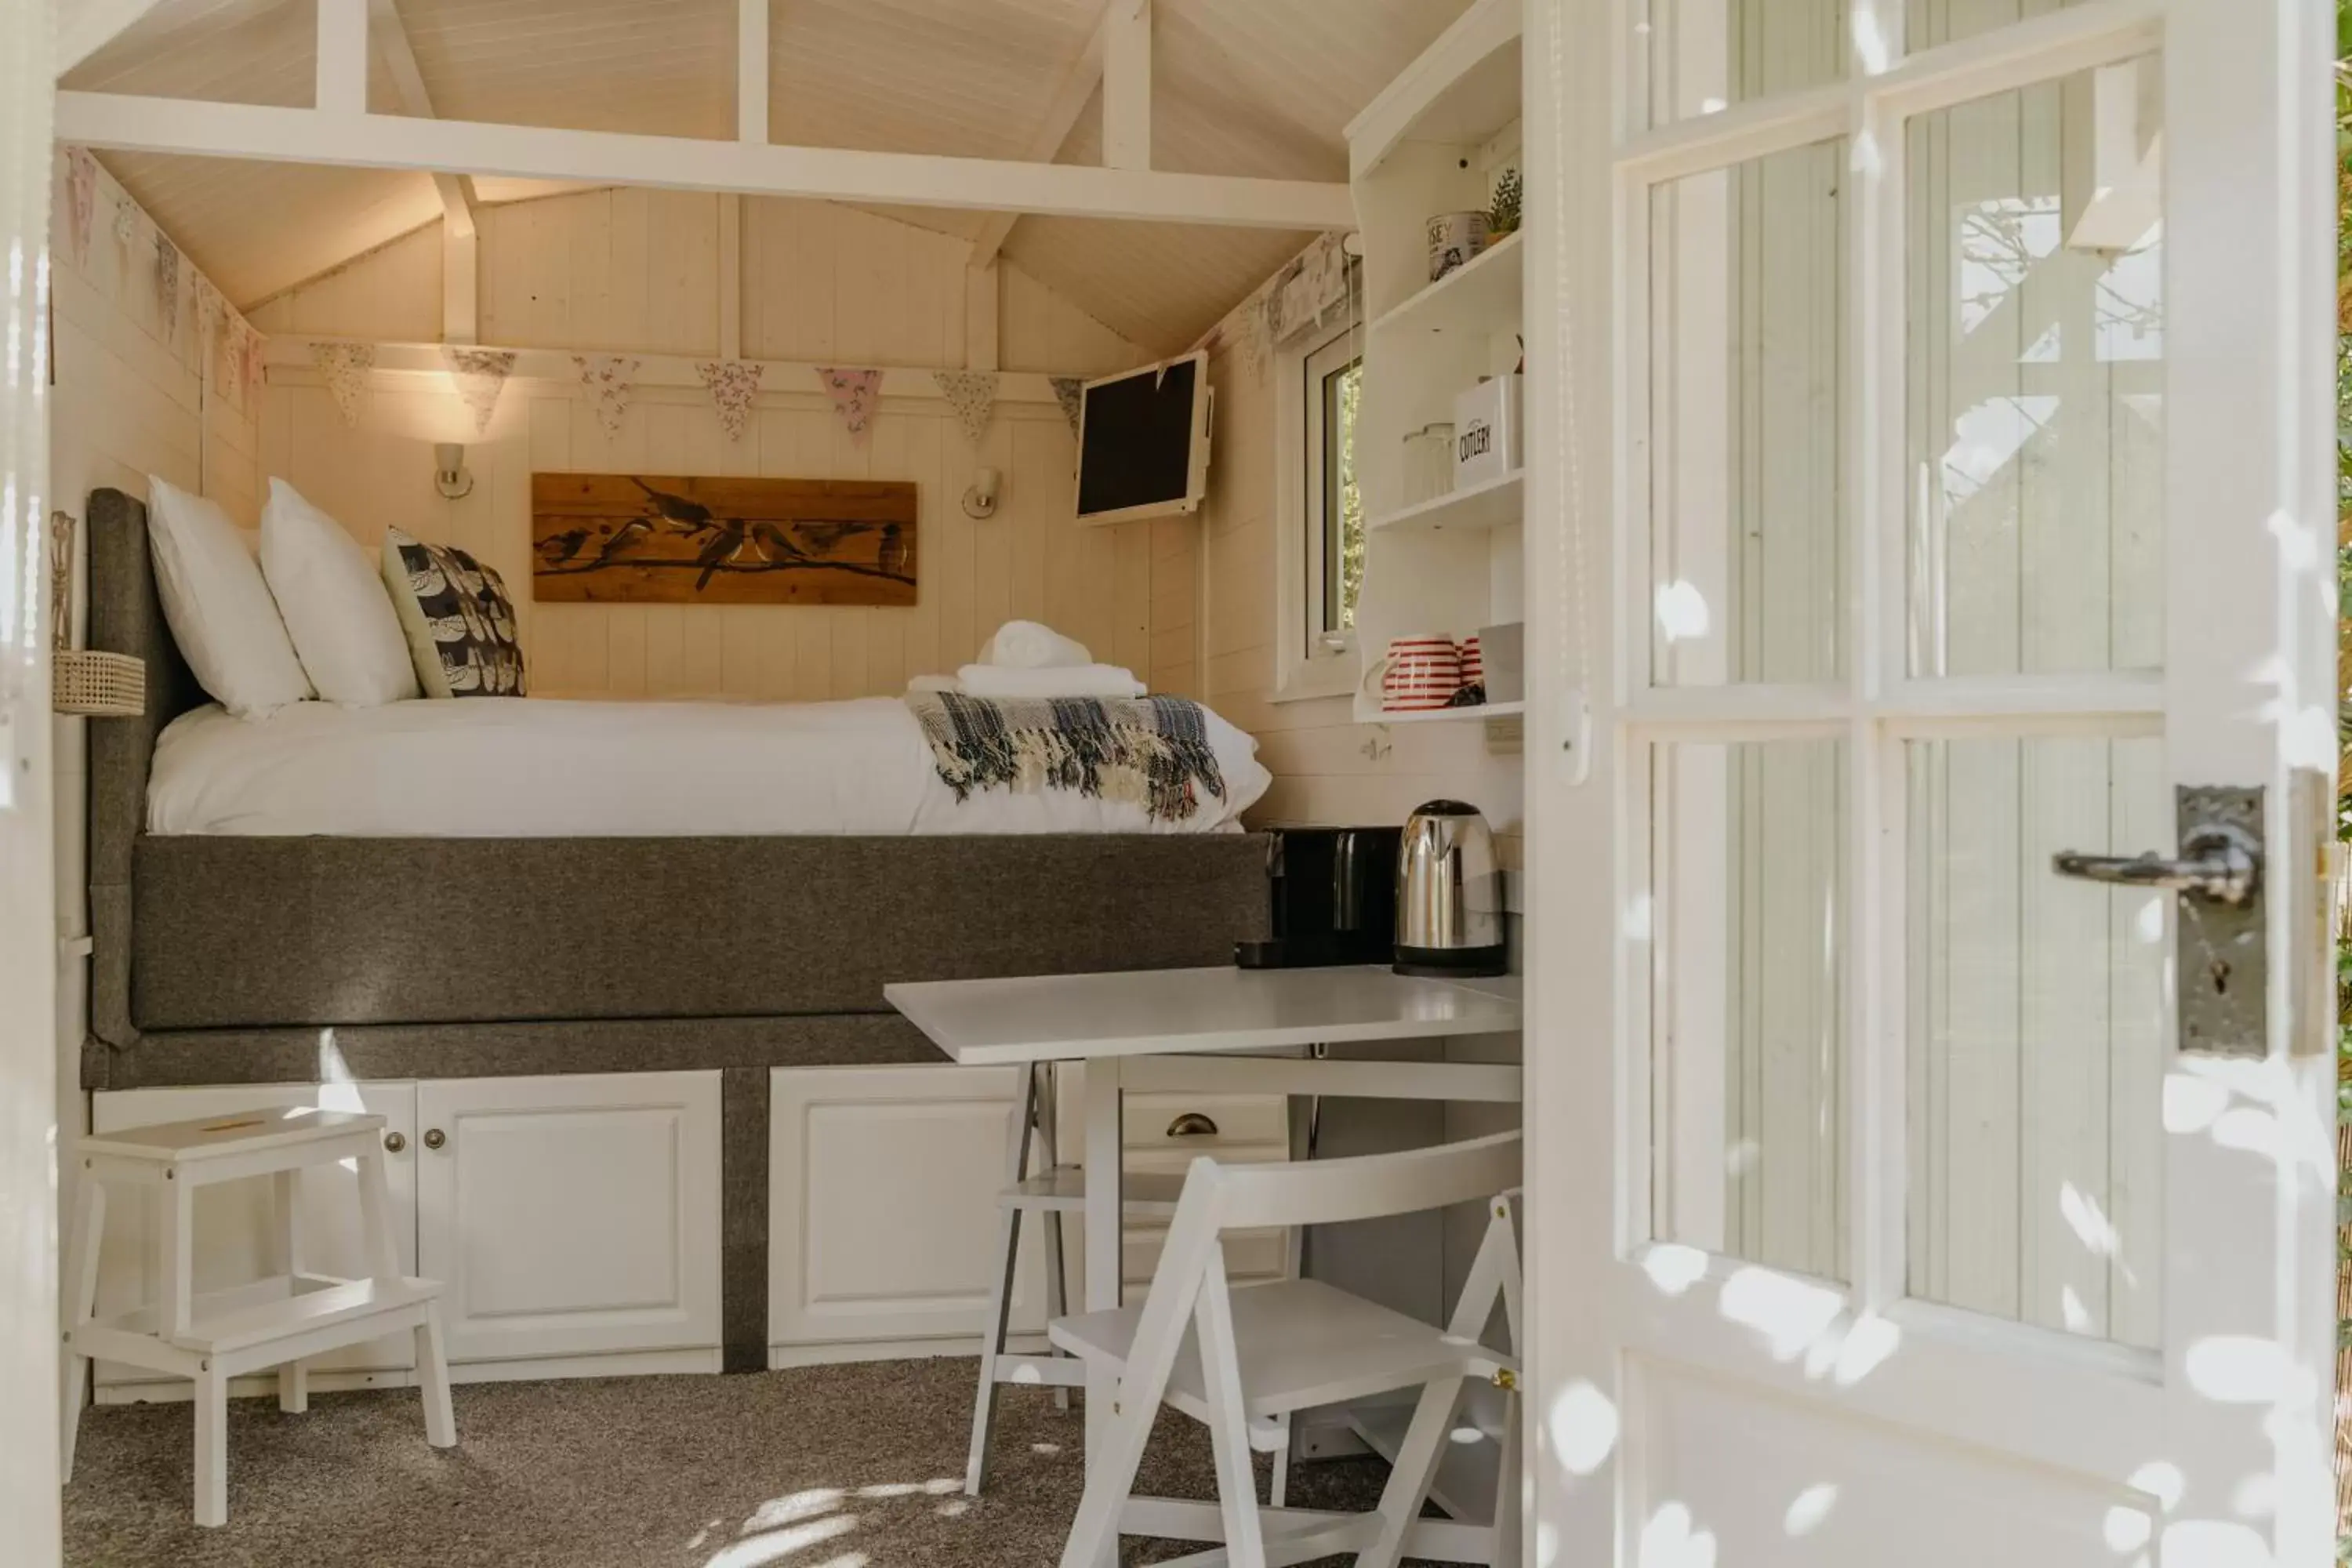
pixel 1449 895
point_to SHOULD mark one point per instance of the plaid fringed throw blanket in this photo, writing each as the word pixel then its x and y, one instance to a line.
pixel 1150 749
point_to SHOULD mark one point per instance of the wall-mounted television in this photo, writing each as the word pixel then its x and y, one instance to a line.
pixel 1143 441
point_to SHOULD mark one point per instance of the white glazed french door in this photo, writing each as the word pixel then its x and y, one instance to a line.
pixel 1937 428
pixel 28 1276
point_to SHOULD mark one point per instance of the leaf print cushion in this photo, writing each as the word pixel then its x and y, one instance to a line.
pixel 459 623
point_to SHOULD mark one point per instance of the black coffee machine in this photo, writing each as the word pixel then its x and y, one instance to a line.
pixel 1333 892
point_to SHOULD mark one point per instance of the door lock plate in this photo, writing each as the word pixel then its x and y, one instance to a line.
pixel 2222 949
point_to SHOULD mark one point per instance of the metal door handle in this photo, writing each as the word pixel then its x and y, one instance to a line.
pixel 2220 861
pixel 435 1138
pixel 394 1142
pixel 1191 1124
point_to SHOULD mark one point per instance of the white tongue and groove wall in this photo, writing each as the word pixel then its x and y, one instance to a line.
pixel 640 273
pixel 131 397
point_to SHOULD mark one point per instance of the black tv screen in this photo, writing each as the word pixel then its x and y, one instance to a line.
pixel 1143 441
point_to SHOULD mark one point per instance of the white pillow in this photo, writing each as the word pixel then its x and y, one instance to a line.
pixel 217 606
pixel 332 597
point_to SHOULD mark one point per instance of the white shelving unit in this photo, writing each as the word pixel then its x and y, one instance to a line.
pixel 1470 299
pixel 1445 715
pixel 1433 142
pixel 1497 503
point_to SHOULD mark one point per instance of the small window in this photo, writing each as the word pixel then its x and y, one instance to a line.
pixel 1335 507
pixel 1319 556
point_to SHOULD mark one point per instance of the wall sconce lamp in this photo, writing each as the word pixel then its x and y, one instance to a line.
pixel 450 476
pixel 979 500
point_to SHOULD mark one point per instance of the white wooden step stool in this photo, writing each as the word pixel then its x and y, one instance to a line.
pixel 277 1321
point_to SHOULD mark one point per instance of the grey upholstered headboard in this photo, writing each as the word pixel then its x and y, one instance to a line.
pixel 125 616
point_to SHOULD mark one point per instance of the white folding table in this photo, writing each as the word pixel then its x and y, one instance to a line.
pixel 1195 1029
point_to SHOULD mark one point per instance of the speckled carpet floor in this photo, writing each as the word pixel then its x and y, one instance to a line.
pixel 835 1467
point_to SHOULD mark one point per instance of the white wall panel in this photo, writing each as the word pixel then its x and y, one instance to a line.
pixel 617 271
pixel 130 399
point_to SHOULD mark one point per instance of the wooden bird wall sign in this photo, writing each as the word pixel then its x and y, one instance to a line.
pixel 657 539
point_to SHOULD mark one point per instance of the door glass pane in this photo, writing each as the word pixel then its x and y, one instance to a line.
pixel 1747 338
pixel 2036 381
pixel 2036 1033
pixel 1706 55
pixel 1927 23
pixel 1747 1032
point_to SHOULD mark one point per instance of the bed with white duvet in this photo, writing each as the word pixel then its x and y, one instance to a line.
pixel 516 768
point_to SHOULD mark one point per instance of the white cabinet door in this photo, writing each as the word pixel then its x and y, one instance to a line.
pixel 235 1220
pixel 571 1215
pixel 882 1203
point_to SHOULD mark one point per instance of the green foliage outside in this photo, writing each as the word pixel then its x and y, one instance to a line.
pixel 1351 495
pixel 2343 707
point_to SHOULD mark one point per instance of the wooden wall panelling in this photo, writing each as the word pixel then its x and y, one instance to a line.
pixel 602 271
pixel 130 400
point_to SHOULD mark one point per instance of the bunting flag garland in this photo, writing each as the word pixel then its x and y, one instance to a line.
pixel 345 367
pixel 1067 391
pixel 81 200
pixel 209 303
pixel 734 384
pixel 210 310
pixel 251 367
pixel 126 220
pixel 167 286
pixel 609 379
pixel 480 375
pixel 856 394
pixel 972 394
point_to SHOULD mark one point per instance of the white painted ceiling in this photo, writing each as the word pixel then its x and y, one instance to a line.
pixel 1240 86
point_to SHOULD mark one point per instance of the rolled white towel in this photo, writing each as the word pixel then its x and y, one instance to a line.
pixel 922 683
pixel 1025 645
pixel 1083 681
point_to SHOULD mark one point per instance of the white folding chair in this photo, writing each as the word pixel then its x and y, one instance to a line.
pixel 1054 1194
pixel 1243 1361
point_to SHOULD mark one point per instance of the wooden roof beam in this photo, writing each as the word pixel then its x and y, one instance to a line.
pixel 270 133
pixel 1080 80
pixel 461 308
pixel 1126 85
pixel 400 59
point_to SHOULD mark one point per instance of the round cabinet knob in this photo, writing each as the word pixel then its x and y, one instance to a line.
pixel 435 1138
pixel 1191 1124
pixel 394 1142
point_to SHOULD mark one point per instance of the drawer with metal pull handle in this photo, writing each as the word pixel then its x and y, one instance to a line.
pixel 1200 1121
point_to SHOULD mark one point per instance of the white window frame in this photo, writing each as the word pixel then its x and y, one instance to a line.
pixel 1309 663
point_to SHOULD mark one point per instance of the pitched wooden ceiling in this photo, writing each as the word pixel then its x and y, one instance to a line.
pixel 1240 86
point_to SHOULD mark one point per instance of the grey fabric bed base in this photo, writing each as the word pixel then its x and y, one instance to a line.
pixel 231 933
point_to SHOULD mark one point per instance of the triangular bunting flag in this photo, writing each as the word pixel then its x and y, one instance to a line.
pixel 81 200
pixel 251 367
pixel 856 394
pixel 211 343
pixel 972 394
pixel 734 383
pixel 167 286
pixel 345 367
pixel 480 375
pixel 609 379
pixel 1066 392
